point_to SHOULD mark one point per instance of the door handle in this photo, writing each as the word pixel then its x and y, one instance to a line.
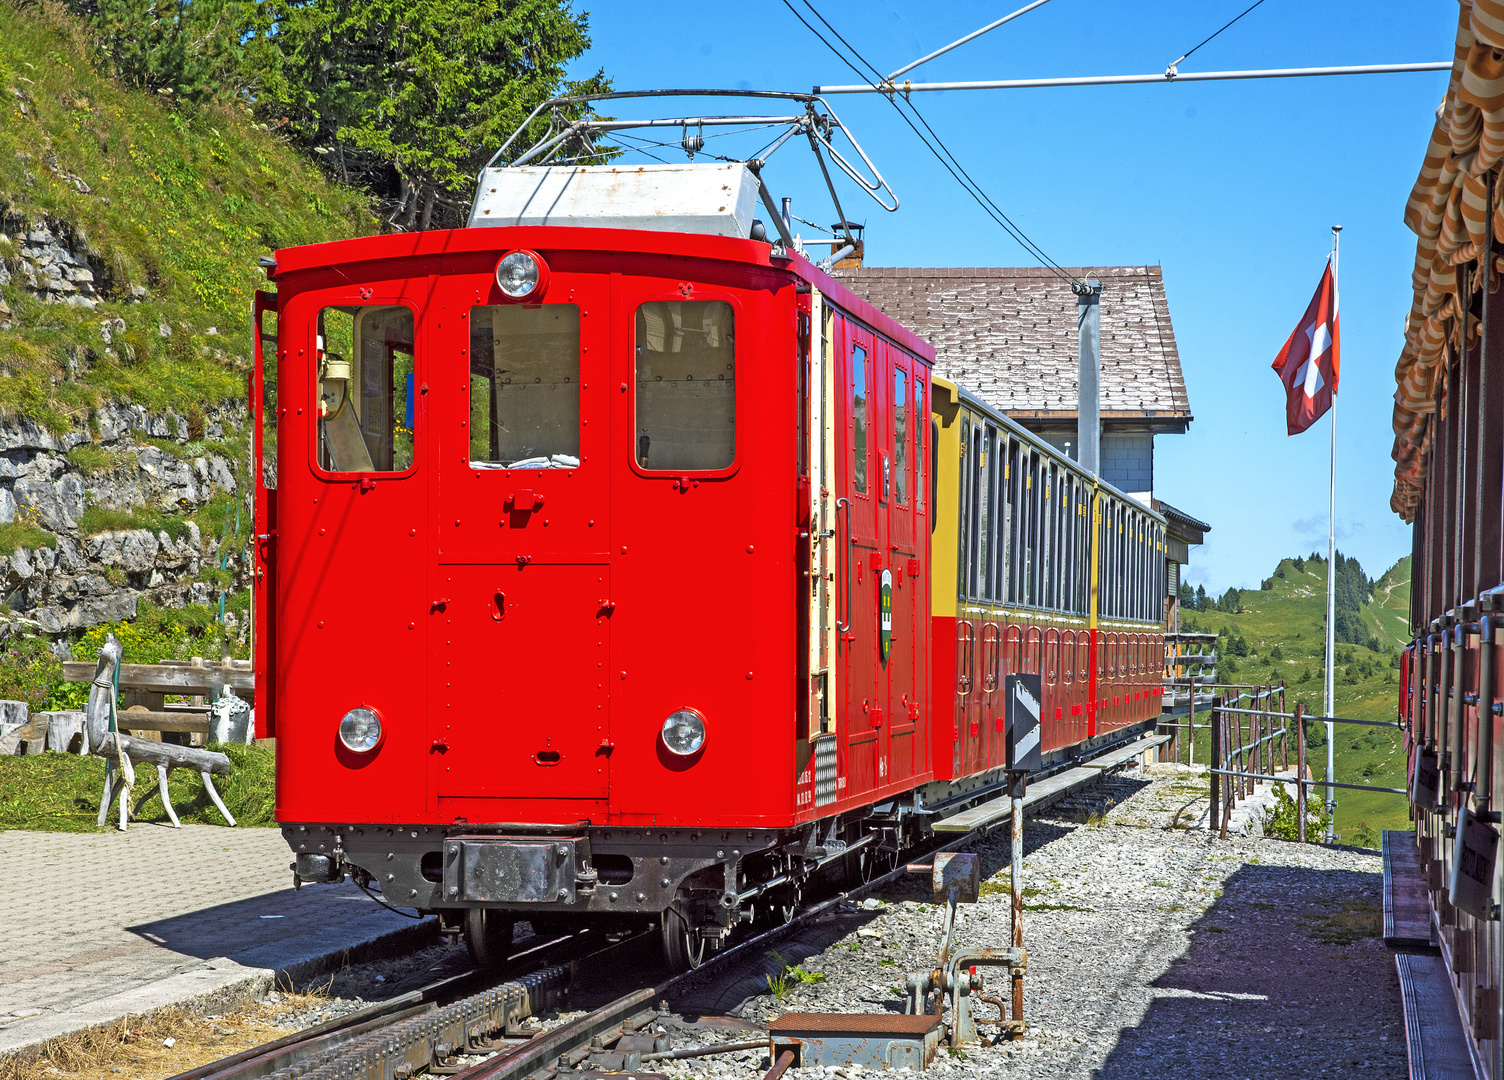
pixel 844 627
pixel 499 601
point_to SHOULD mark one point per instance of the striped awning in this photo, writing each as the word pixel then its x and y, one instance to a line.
pixel 1446 210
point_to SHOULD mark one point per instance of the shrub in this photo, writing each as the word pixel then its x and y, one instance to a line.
pixel 1282 821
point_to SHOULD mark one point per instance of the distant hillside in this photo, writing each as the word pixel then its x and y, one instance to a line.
pixel 1279 632
pixel 129 232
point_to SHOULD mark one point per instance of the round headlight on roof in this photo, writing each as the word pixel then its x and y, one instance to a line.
pixel 683 732
pixel 360 730
pixel 521 275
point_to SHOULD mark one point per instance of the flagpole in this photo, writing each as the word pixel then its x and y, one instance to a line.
pixel 1331 586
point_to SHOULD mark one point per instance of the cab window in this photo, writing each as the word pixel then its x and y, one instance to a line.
pixel 525 386
pixel 686 386
pixel 365 384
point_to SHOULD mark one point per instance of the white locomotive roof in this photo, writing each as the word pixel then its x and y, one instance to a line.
pixel 710 198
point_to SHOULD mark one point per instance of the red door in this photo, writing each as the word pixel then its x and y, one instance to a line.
pixel 520 616
pixel 901 584
pixel 862 537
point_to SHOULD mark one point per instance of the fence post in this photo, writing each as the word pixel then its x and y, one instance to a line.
pixel 1229 761
pixel 1256 722
pixel 1244 722
pixel 1284 738
pixel 1216 793
pixel 1300 771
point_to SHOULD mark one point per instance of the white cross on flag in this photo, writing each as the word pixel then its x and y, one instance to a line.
pixel 1309 363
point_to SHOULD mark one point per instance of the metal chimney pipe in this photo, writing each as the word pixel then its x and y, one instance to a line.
pixel 1089 353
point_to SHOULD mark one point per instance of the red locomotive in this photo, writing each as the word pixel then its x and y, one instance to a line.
pixel 631 568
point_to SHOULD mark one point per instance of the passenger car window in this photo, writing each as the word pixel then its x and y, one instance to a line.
pixel 900 435
pixel 859 418
pixel 525 386
pixel 686 385
pixel 365 382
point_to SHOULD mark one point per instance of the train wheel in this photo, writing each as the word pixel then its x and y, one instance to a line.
pixel 488 936
pixel 783 905
pixel 876 862
pixel 683 949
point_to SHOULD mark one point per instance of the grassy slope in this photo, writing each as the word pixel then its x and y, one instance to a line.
pixel 1292 616
pixel 181 203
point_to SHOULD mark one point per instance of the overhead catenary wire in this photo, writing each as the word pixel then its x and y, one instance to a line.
pixel 1174 63
pixel 936 147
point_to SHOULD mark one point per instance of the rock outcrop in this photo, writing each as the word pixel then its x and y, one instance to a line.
pixel 114 523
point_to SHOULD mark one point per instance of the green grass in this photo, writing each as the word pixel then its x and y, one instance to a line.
pixel 60 792
pixel 18 534
pixel 181 202
pixel 1292 617
pixel 101 519
pixel 94 461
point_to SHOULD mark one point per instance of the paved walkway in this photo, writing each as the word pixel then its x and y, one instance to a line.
pixel 97 925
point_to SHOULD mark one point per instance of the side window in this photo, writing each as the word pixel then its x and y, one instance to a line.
pixel 900 435
pixel 859 418
pixel 963 552
pixel 803 438
pixel 267 327
pixel 525 386
pixel 686 385
pixel 365 380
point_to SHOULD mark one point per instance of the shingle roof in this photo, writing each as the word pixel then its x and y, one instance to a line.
pixel 1009 335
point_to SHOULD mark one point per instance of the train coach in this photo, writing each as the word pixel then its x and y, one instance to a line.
pixel 619 567
pixel 1449 487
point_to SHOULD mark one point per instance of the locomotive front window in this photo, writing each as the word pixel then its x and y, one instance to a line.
pixel 525 386
pixel 686 385
pixel 365 381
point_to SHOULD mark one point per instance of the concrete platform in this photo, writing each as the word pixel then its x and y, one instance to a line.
pixel 97 925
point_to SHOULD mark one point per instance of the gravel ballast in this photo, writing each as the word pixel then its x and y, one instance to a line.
pixel 1154 951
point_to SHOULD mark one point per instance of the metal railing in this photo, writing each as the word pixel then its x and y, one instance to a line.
pixel 1268 695
pixel 1243 765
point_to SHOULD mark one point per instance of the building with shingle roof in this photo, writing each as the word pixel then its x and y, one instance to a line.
pixel 1008 334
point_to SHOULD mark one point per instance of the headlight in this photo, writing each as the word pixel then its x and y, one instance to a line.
pixel 360 730
pixel 520 275
pixel 684 732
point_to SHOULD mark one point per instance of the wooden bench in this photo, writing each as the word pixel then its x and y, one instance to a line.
pixel 144 689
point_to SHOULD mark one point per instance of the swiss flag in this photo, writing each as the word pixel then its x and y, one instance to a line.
pixel 1309 363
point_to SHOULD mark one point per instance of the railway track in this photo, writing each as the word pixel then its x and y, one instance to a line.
pixel 434 1028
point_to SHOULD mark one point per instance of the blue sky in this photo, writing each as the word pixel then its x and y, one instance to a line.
pixel 1230 187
